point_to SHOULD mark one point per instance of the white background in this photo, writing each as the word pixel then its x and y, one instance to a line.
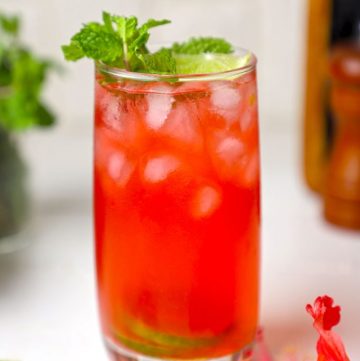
pixel 47 291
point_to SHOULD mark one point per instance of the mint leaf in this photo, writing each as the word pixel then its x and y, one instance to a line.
pixel 134 39
pixel 96 42
pixel 202 45
pixel 126 28
pixel 108 22
pixel 152 23
pixel 142 36
pixel 119 42
pixel 73 52
pixel 161 62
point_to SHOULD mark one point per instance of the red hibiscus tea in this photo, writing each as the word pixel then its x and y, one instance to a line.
pixel 176 191
pixel 177 212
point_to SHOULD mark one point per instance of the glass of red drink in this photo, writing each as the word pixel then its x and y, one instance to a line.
pixel 177 212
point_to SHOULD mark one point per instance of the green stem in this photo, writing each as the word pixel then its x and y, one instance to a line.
pixel 126 60
pixel 125 49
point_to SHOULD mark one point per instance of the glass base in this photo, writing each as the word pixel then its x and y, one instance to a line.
pixel 119 353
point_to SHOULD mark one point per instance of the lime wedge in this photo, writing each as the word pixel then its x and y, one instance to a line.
pixel 209 63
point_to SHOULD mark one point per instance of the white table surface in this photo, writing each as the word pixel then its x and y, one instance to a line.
pixel 47 290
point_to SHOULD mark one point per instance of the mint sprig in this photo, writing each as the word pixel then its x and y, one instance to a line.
pixel 121 42
pixel 22 77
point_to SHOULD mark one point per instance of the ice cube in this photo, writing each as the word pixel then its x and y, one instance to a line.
pixel 249 172
pixel 206 201
pixel 120 168
pixel 159 168
pixel 230 150
pixel 226 101
pixel 111 110
pixel 246 120
pixel 226 152
pixel 159 106
pixel 249 116
pixel 182 124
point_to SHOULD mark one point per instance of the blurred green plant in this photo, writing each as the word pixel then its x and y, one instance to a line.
pixel 22 77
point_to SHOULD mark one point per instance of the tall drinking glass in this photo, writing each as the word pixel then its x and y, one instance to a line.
pixel 177 212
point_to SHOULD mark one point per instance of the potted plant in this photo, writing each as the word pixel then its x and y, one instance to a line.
pixel 22 76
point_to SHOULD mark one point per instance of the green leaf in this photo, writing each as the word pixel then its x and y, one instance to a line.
pixel 20 106
pixel 161 62
pixel 126 27
pixel 10 24
pixel 140 42
pixel 45 117
pixel 73 52
pixel 96 42
pixel 22 77
pixel 202 45
pixel 5 69
pixel 152 23
pixel 108 22
pixel 119 41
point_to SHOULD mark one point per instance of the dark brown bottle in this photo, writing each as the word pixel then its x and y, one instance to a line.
pixel 342 181
pixel 330 22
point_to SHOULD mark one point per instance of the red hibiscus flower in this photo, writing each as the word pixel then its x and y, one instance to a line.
pixel 326 316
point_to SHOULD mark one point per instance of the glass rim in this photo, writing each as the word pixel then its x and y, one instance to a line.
pixel 221 75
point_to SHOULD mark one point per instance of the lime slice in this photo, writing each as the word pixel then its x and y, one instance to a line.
pixel 209 63
pixel 149 341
